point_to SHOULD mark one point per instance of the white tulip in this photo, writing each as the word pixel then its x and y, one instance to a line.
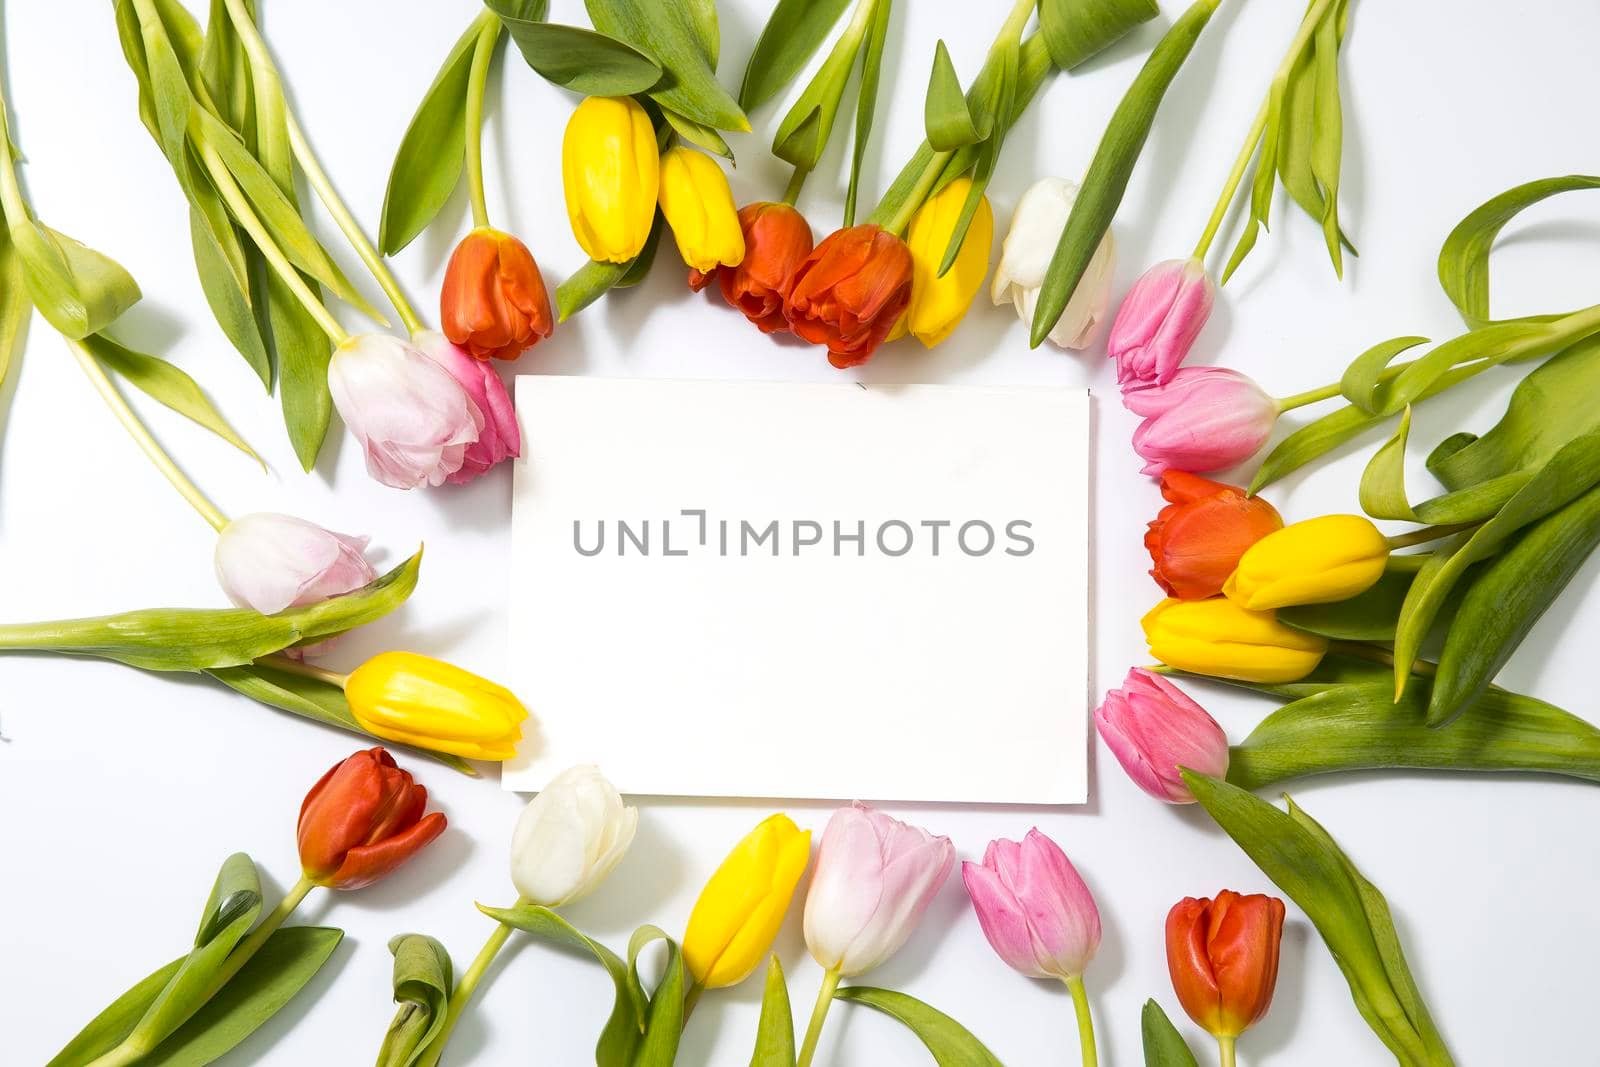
pixel 1036 228
pixel 570 837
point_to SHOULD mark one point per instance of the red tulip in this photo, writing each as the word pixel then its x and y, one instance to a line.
pixel 362 820
pixel 1223 955
pixel 777 239
pixel 1197 539
pixel 493 302
pixel 850 292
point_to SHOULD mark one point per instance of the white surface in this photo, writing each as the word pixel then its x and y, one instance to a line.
pixel 872 562
pixel 123 792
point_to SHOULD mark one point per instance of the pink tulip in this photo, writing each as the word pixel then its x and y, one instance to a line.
pixel 412 418
pixel 875 877
pixel 1153 729
pixel 500 438
pixel 1158 321
pixel 270 562
pixel 1205 419
pixel 1033 907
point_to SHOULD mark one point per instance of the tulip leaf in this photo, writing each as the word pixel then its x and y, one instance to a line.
pixel 866 101
pixel 423 980
pixel 594 279
pixel 775 1030
pixel 77 290
pixel 15 307
pixel 951 1044
pixel 1078 30
pixel 108 1029
pixel 804 133
pixel 1383 489
pixel 1335 670
pixel 227 296
pixel 673 35
pixel 696 134
pixel 1000 94
pixel 1327 140
pixel 1368 616
pixel 1163 1045
pixel 1106 181
pixel 1347 910
pixel 793 33
pixel 664 1021
pixel 949 121
pixel 580 59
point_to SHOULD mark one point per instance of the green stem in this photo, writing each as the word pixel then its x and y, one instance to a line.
pixel 12 201
pixel 466 987
pixel 819 1013
pixel 1080 1005
pixel 279 662
pixel 1310 396
pixel 477 80
pixel 1429 533
pixel 919 193
pixel 1407 564
pixel 142 436
pixel 691 999
pixel 1225 1048
pixel 796 180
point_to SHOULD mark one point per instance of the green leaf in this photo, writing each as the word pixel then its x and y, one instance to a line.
pixel 793 33
pixel 303 352
pixel 1327 141
pixel 1077 30
pixel 775 1030
pixel 1002 94
pixel 951 1044
pixel 1163 1045
pixel 664 1022
pixel 1383 489
pixel 77 290
pixel 593 280
pixel 1335 670
pixel 1112 167
pixel 707 29
pixel 227 296
pixel 1369 616
pixel 804 132
pixel 694 133
pixel 949 121
pixel 581 60
pixel 15 307
pixel 672 35
pixel 422 985
pixel 108 1029
pixel 197 639
pixel 866 102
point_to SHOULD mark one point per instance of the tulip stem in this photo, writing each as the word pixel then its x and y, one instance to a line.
pixel 691 998
pixel 142 436
pixel 919 193
pixel 279 662
pixel 1225 1048
pixel 1310 396
pixel 796 180
pixel 1080 1005
pixel 819 1013
pixel 1428 533
pixel 477 80
pixel 466 987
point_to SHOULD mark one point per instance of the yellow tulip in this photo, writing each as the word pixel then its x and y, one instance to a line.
pixel 698 205
pixel 1318 561
pixel 610 172
pixel 1222 639
pixel 938 304
pixel 421 701
pixel 741 908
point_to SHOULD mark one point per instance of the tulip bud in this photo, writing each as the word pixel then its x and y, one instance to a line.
pixel 1197 539
pixel 1204 419
pixel 611 173
pixel 362 820
pixel 875 877
pixel 938 304
pixel 424 702
pixel 1223 956
pixel 849 292
pixel 777 240
pixel 1036 912
pixel 1219 638
pixel 500 438
pixel 269 562
pixel 1318 561
pixel 1153 729
pixel 1036 227
pixel 413 420
pixel 493 302
pixel 733 924
pixel 698 205
pixel 570 837
pixel 1158 321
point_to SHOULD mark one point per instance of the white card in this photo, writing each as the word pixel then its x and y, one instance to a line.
pixel 752 589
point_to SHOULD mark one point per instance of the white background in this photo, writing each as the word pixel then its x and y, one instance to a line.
pixel 122 792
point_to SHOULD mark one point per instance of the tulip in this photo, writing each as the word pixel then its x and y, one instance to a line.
pixel 850 292
pixel 777 239
pixel 363 819
pixel 698 205
pixel 570 837
pixel 1197 539
pixel 500 438
pixel 938 304
pixel 733 924
pixel 1219 638
pixel 1154 729
pixel 1223 956
pixel 1036 227
pixel 1204 419
pixel 269 562
pixel 610 172
pixel 414 422
pixel 1158 321
pixel 493 302
pixel 417 700
pixel 1318 561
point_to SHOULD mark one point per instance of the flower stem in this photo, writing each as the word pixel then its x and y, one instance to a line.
pixel 819 1013
pixel 1225 1048
pixel 1310 396
pixel 142 436
pixel 466 987
pixel 796 181
pixel 692 998
pixel 1428 533
pixel 1080 1004
pixel 279 662
pixel 477 80
pixel 919 193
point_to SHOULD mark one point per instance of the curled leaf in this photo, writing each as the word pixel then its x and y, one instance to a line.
pixel 423 981
pixel 949 119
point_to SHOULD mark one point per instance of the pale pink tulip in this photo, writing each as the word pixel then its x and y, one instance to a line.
pixel 269 562
pixel 414 421
pixel 1034 909
pixel 1205 419
pixel 1153 729
pixel 1158 321
pixel 500 438
pixel 875 877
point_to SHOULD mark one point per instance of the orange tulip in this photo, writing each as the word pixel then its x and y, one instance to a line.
pixel 777 239
pixel 362 820
pixel 1223 955
pixel 1197 539
pixel 493 302
pixel 850 292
